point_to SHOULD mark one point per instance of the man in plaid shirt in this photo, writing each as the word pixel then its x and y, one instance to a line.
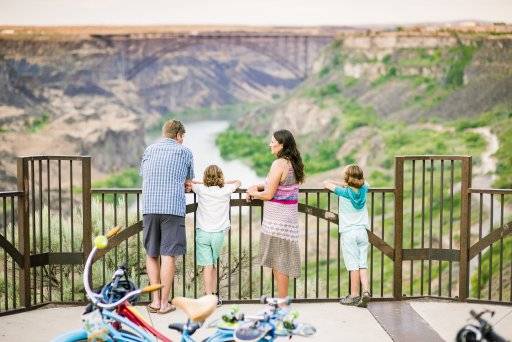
pixel 166 170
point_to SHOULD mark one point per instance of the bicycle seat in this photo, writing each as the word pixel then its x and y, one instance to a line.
pixel 197 310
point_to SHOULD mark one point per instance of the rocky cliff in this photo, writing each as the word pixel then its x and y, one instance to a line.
pixel 401 75
pixel 82 92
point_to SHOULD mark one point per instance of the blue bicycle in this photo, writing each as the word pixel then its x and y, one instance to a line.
pixel 110 313
pixel 278 321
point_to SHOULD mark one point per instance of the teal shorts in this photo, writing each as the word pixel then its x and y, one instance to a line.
pixel 354 245
pixel 208 247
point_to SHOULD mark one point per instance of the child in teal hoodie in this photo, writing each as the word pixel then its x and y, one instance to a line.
pixel 353 223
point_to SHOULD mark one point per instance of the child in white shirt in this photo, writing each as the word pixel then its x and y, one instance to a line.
pixel 213 198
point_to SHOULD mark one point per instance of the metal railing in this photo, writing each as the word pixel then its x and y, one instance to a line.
pixel 431 235
pixel 239 275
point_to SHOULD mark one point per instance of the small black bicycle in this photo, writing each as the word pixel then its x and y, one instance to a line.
pixel 481 332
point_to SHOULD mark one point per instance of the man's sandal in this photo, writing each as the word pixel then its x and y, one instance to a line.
pixel 169 308
pixel 152 309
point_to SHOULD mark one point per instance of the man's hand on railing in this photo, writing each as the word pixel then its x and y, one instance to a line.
pixel 248 197
pixel 188 185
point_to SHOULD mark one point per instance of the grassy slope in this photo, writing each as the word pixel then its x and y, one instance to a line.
pixel 332 89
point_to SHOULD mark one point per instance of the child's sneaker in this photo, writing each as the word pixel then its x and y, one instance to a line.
pixel 349 300
pixel 365 298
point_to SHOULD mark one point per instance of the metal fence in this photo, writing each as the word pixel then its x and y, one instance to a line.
pixel 431 235
pixel 240 277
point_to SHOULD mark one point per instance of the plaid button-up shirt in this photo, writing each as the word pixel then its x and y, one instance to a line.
pixel 165 166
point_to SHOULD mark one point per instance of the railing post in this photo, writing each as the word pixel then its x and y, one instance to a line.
pixel 465 224
pixel 399 220
pixel 23 232
pixel 86 206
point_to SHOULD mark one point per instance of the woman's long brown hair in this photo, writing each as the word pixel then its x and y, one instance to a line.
pixel 290 152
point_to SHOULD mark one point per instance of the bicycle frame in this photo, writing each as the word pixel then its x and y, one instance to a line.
pixel 126 310
pixel 119 336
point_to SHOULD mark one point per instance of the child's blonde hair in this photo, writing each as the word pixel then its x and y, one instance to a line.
pixel 213 176
pixel 354 176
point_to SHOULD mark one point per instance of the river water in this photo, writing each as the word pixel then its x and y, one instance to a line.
pixel 200 138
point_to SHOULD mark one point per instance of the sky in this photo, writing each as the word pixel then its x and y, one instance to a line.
pixel 245 12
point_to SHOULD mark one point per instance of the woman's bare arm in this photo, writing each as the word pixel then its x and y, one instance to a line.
pixel 274 178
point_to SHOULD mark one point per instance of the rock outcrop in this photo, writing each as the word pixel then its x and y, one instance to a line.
pixel 95 93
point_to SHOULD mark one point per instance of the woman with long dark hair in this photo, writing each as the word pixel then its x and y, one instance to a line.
pixel 279 239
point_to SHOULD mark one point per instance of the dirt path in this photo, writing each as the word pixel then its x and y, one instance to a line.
pixel 484 173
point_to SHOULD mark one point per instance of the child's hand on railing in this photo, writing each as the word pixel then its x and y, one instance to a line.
pixel 330 216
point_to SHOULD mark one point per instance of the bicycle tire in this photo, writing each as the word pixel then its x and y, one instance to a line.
pixel 81 336
pixel 466 335
pixel 72 336
pixel 220 339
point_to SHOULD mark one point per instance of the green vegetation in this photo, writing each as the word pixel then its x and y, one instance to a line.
pixel 460 57
pixel 243 145
pixel 38 123
pixel 403 140
pixel 128 178
pixel 334 61
pixel 322 158
pixel 421 57
pixel 499 119
pixel 431 90
pixel 499 255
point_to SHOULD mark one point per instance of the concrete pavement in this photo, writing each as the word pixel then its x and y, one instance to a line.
pixel 333 321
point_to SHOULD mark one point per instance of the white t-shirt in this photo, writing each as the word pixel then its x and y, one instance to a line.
pixel 213 206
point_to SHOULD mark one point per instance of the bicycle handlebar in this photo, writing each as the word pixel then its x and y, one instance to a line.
pixel 255 317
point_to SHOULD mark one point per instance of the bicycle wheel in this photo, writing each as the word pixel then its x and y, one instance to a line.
pixel 81 336
pixel 468 334
pixel 219 338
pixel 72 336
